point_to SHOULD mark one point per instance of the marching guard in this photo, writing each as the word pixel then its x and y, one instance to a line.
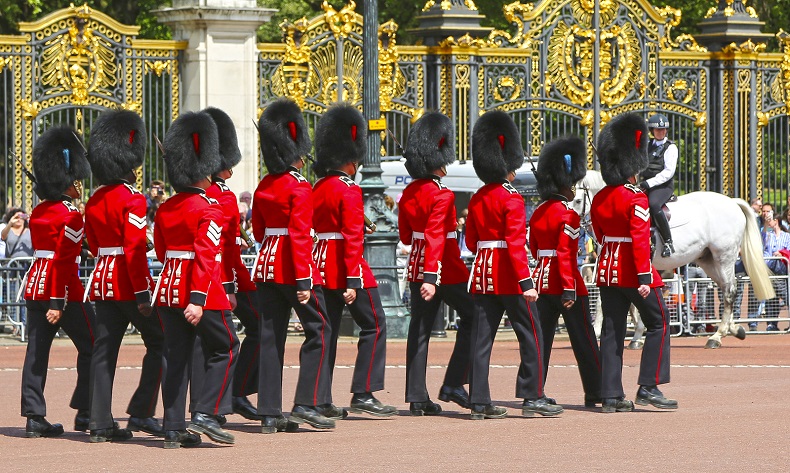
pixel 121 284
pixel 52 288
pixel 624 273
pixel 189 293
pixel 436 272
pixel 285 273
pixel 339 223
pixel 500 279
pixel 554 230
pixel 236 281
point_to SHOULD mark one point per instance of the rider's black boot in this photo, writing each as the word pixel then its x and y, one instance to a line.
pixel 668 249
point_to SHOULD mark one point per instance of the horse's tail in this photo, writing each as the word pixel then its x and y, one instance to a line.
pixel 752 255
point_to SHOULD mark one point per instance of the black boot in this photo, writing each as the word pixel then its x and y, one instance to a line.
pixel 82 420
pixel 272 424
pixel 243 407
pixel 427 408
pixel 488 411
pixel 207 424
pixel 113 434
pixel 366 403
pixel 613 404
pixel 456 394
pixel 37 426
pixel 651 395
pixel 668 249
pixel 540 406
pixel 181 438
pixel 331 411
pixel 148 425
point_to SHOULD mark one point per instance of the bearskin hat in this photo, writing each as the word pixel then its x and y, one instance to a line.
pixel 496 147
pixel 561 164
pixel 341 137
pixel 229 152
pixel 117 145
pixel 429 145
pixel 58 160
pixel 622 148
pixel 284 136
pixel 191 149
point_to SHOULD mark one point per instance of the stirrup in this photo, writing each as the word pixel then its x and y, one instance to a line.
pixel 668 249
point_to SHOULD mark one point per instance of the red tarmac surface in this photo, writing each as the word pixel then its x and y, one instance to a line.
pixel 731 419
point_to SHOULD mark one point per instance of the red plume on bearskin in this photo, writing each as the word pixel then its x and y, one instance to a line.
pixel 429 145
pixel 229 152
pixel 283 134
pixel 562 163
pixel 191 149
pixel 496 147
pixel 58 160
pixel 341 137
pixel 117 145
pixel 622 148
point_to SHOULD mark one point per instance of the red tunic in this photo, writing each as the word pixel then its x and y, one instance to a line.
pixel 339 224
pixel 621 223
pixel 427 210
pixel 282 219
pixel 56 230
pixel 187 238
pixel 554 243
pixel 235 269
pixel 115 227
pixel 496 229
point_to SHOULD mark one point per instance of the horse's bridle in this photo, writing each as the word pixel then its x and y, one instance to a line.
pixel 586 220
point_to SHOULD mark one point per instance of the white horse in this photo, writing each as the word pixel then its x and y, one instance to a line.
pixel 710 229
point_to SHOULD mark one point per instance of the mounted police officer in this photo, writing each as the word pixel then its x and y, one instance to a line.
pixel 657 180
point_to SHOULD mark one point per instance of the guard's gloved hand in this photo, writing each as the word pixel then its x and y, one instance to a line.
pixel 643 185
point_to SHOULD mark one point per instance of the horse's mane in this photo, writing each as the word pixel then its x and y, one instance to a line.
pixel 593 180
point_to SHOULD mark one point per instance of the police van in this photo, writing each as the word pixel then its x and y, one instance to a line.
pixel 461 179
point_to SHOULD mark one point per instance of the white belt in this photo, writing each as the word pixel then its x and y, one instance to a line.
pixel 329 236
pixel 111 251
pixel 179 254
pixel 546 253
pixel 421 235
pixel 481 245
pixel 48 254
pixel 607 239
pixel 275 231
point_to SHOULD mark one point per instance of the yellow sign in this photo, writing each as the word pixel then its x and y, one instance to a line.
pixel 377 125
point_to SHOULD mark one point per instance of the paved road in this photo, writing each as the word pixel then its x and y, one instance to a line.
pixel 731 418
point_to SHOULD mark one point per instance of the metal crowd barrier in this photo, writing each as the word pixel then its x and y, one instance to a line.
pixel 695 307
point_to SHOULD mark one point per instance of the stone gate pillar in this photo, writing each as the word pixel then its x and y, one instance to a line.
pixel 219 68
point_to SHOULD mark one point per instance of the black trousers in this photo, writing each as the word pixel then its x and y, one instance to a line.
pixel 245 380
pixel 581 334
pixel 423 316
pixel 78 322
pixel 523 316
pixel 275 302
pixel 371 360
pixel 654 368
pixel 245 376
pixel 112 319
pixel 220 346
pixel 657 197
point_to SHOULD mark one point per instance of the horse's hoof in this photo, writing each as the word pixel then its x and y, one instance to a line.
pixel 741 333
pixel 635 345
pixel 713 344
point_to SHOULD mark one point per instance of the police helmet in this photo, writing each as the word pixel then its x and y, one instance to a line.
pixel 658 121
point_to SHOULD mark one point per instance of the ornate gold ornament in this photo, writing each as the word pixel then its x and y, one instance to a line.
pixel 448 4
pixel 465 41
pixel 294 75
pixel 681 90
pixel 747 47
pixel 135 107
pixel 30 109
pixel 762 119
pixel 5 62
pixel 672 18
pixel 507 89
pixel 340 22
pixel 571 62
pixel 79 61
pixel 157 67
pixel 784 37
pixel 514 13
pixel 392 82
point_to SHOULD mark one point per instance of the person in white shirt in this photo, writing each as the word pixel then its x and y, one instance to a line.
pixel 657 180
